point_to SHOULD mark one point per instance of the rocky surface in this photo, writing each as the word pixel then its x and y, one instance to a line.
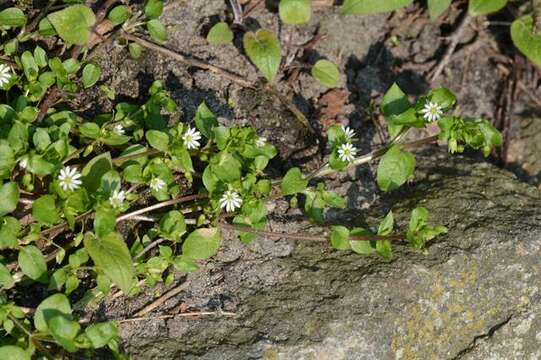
pixel 475 296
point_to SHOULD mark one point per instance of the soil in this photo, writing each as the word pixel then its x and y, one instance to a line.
pixel 372 52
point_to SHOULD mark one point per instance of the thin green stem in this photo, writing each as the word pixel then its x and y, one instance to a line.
pixel 304 237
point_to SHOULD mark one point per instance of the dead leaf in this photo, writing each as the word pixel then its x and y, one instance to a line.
pixel 331 105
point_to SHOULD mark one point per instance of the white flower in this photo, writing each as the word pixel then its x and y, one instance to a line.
pixel 347 152
pixel 118 129
pixel 117 198
pixel 157 184
pixel 23 163
pixel 230 201
pixel 69 178
pixel 350 133
pixel 261 141
pixel 191 137
pixel 432 111
pixel 5 74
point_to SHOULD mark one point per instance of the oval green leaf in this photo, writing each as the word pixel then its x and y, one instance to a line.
pixel 483 7
pixel 220 34
pixel 73 23
pixel 295 12
pixel 351 7
pixel 201 244
pixel 263 49
pixel 526 40
pixel 326 73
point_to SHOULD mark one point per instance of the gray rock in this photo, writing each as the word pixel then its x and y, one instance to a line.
pixel 475 296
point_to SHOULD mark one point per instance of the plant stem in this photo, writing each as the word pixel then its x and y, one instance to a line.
pixel 35 341
pixel 121 159
pixel 159 206
pixel 303 237
pixel 327 170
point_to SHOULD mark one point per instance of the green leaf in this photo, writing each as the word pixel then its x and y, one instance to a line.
pixel 263 49
pixel 119 14
pixel 73 24
pixel 226 167
pixel 394 101
pixel 40 167
pixel 383 247
pixel 153 8
pixel 340 238
pixel 104 222
pixel 326 73
pixel 64 331
pixel 157 31
pixel 44 210
pixel 9 232
pixel 90 130
pixel 205 120
pixel 172 225
pixel 293 182
pixel 101 334
pixel 220 34
pixel 54 305
pixel 32 263
pixel 371 6
pixel 7 160
pixel 91 75
pixel 443 97
pixel 9 193
pixel 112 256
pixel 387 224
pixel 13 352
pixel 158 140
pixel 6 280
pixel 41 57
pixel 395 168
pixel 362 247
pixel 185 264
pixel 437 7
pixel 201 244
pixel 94 170
pixel 12 17
pixel 418 219
pixel 524 38
pixel 30 67
pixel 135 50
pixel 295 12
pixel 483 7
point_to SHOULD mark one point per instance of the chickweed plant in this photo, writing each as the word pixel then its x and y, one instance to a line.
pixel 67 181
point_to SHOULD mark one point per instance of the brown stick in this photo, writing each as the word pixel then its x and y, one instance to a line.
pixel 189 61
pixel 455 39
pixel 161 300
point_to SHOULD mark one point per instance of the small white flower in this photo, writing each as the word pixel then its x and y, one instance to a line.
pixel 118 129
pixel 350 133
pixel 261 141
pixel 23 163
pixel 432 111
pixel 157 184
pixel 347 152
pixel 117 198
pixel 230 201
pixel 191 137
pixel 5 74
pixel 69 178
